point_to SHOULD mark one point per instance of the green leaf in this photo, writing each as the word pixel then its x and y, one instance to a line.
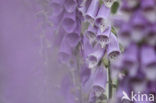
pixel 106 62
pixel 121 48
pixel 114 31
pixel 84 26
pixel 114 7
pixel 101 2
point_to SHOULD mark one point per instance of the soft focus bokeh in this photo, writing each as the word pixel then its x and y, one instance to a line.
pixel 29 70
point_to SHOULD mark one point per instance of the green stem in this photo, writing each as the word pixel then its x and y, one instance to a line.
pixel 109 82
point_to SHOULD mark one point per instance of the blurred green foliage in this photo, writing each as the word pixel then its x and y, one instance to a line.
pixel 115 7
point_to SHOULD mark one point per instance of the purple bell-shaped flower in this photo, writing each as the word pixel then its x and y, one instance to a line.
pixel 130 59
pixel 74 37
pixel 138 23
pixel 69 22
pixel 92 10
pixel 125 35
pixel 94 57
pixel 103 37
pixel 148 61
pixel 70 5
pixel 84 6
pixel 91 33
pixel 57 7
pixel 148 8
pixel 100 81
pixel 102 15
pixel 113 47
pixel 150 34
pixel 85 74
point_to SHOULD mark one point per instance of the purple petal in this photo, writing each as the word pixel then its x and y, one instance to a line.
pixel 148 56
pixel 124 87
pixel 148 5
pixel 102 15
pixel 151 86
pixel 85 74
pixel 74 37
pixel 118 22
pixel 103 37
pixel 92 54
pixel 125 7
pixel 139 83
pixel 138 20
pixel 150 33
pixel 69 22
pixel 70 5
pixel 138 23
pixel 148 60
pixel 125 31
pixel 150 73
pixel 94 57
pixel 58 1
pixel 130 59
pixel 125 34
pixel 92 97
pixel 91 33
pixel 100 80
pixel 87 47
pixel 88 84
pixel 92 10
pixel 129 5
pixel 113 47
pixel 148 8
pixel 84 6
pixel 130 56
pixel 117 65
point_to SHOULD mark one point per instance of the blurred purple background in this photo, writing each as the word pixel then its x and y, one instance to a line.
pixel 28 67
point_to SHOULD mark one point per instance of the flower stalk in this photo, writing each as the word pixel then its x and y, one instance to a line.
pixel 109 83
pixel 106 63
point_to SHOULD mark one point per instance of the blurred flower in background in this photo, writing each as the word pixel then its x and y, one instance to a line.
pixel 138 61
